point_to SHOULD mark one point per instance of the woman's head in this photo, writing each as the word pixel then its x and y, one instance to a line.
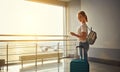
pixel 82 16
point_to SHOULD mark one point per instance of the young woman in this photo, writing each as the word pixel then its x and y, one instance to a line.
pixel 82 35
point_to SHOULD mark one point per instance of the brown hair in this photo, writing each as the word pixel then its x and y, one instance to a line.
pixel 83 14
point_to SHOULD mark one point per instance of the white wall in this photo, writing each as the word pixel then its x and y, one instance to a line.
pixel 73 8
pixel 104 17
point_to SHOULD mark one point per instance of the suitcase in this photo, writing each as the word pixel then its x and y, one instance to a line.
pixel 78 65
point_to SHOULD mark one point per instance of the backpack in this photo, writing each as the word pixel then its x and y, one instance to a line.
pixel 92 36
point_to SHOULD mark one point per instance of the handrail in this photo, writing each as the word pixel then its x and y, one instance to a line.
pixel 34 35
pixel 37 40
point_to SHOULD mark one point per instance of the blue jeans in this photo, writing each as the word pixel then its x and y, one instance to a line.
pixel 84 46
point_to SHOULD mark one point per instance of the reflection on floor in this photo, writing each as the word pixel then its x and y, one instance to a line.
pixel 64 66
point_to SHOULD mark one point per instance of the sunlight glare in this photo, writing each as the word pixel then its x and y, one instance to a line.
pixel 26 17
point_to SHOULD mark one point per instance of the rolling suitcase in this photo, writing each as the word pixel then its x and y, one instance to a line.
pixel 78 65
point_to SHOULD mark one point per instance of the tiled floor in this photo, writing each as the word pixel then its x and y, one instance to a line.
pixel 64 66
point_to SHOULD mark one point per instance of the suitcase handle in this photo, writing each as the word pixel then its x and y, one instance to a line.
pixel 76 53
pixel 79 46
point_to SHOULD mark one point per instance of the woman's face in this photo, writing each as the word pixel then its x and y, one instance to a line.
pixel 81 18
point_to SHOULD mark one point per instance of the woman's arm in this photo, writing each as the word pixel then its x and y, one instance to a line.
pixel 82 35
pixel 74 34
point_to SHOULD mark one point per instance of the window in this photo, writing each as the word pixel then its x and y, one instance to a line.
pixel 24 17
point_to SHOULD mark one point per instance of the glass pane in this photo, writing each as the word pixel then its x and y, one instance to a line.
pixel 24 17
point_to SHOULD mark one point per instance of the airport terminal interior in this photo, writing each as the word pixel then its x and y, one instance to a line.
pixel 35 35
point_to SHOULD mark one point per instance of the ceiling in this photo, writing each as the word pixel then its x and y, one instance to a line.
pixel 54 2
pixel 65 0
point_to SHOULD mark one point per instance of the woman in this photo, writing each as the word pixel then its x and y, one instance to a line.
pixel 82 35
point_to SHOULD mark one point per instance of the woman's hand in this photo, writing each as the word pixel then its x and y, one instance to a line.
pixel 76 35
pixel 72 33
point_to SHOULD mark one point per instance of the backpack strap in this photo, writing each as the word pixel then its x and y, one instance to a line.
pixel 90 29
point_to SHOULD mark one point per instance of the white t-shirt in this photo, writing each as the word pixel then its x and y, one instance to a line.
pixel 82 28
